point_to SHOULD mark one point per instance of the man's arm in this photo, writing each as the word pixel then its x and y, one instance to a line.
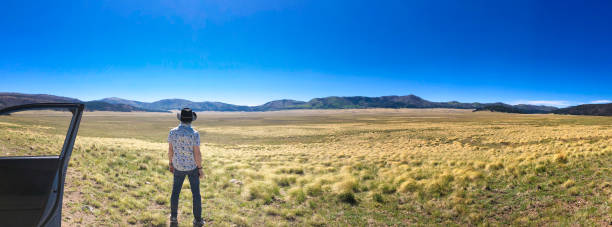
pixel 198 158
pixel 170 155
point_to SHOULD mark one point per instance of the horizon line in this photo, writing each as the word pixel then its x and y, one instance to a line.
pixel 546 103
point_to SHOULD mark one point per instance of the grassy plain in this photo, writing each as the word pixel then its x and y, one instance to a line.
pixel 338 167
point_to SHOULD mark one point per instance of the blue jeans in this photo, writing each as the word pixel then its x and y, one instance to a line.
pixel 194 182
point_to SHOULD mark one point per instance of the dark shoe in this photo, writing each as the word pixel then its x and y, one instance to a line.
pixel 173 221
pixel 199 223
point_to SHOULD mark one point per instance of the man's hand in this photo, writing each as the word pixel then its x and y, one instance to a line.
pixel 170 167
pixel 200 173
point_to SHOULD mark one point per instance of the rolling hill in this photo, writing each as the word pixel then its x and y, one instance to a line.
pixel 587 109
pixel 13 99
pixel 520 108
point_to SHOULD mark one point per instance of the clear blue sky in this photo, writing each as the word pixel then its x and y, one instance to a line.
pixel 249 52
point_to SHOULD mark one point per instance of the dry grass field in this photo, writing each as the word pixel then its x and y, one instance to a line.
pixel 375 167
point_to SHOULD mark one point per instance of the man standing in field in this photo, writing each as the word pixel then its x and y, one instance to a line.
pixel 185 159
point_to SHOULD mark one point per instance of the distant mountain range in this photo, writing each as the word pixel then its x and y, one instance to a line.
pixel 173 104
pixel 334 102
pixel 13 99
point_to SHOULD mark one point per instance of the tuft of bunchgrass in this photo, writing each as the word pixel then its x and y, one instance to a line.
pixel 347 197
pixel 347 184
pixel 377 197
pixel 314 189
pixel 317 221
pixel 387 188
pixel 569 183
pixel 285 181
pixel 561 158
pixel 409 185
pixel 264 191
pixel 297 195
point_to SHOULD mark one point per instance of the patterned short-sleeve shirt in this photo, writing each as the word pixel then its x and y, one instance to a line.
pixel 183 138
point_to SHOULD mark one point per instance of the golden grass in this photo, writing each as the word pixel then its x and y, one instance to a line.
pixel 347 167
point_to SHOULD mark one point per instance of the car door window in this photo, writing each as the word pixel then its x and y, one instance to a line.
pixel 33 132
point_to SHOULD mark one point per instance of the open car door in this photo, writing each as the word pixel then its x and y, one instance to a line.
pixel 32 186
